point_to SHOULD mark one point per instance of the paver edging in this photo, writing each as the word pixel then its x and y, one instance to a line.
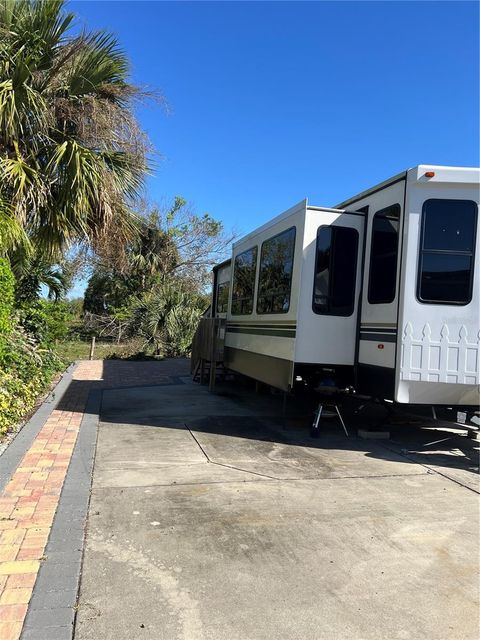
pixel 52 608
pixel 23 439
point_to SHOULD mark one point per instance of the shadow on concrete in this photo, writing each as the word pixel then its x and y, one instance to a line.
pixel 161 394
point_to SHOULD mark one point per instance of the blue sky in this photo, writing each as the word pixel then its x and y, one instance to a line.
pixel 271 102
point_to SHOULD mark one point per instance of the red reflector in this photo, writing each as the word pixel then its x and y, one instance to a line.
pixel 429 174
pixel 380 346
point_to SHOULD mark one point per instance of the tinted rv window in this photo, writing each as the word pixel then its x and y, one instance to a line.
pixel 222 297
pixel 244 282
pixel 335 271
pixel 447 248
pixel 383 256
pixel 275 279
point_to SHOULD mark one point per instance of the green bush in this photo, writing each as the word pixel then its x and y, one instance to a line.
pixel 47 320
pixel 7 297
pixel 26 371
pixel 27 365
pixel 34 321
pixel 166 318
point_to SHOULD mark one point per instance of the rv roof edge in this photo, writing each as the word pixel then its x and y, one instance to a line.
pixel 382 185
pixel 441 173
pixel 303 204
pixel 454 175
pixel 328 209
pixel 218 266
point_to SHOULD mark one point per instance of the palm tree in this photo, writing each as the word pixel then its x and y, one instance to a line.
pixel 166 318
pixel 12 234
pixel 37 272
pixel 153 251
pixel 72 157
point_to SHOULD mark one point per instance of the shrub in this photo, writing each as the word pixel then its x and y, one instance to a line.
pixel 26 365
pixel 166 318
pixel 7 297
pixel 59 318
pixel 26 370
pixel 47 320
pixel 34 321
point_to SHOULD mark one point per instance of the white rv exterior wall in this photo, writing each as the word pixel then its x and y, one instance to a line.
pixel 325 339
pixel 438 347
pixel 276 346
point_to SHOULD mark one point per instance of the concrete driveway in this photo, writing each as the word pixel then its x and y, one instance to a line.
pixel 211 518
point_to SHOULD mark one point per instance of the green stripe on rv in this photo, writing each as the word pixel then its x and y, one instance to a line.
pixel 279 332
pixel 378 337
pixel 280 324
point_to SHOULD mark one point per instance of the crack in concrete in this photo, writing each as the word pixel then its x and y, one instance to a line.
pixel 430 469
pixel 197 441
pixel 263 475
pixel 227 466
pixel 269 478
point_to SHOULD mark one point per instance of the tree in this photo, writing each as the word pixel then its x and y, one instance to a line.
pixel 200 240
pixel 153 251
pixel 176 245
pixel 34 272
pixel 12 234
pixel 106 291
pixel 166 318
pixel 72 157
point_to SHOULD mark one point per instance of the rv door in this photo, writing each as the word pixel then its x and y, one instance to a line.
pixel 377 332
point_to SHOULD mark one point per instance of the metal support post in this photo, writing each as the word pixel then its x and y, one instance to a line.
pixel 341 420
pixel 315 430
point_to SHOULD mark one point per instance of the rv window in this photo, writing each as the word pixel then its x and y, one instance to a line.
pixel 447 248
pixel 383 256
pixel 222 297
pixel 244 282
pixel 275 279
pixel 335 271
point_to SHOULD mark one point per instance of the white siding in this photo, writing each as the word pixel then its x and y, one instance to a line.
pixel 438 347
pixel 323 338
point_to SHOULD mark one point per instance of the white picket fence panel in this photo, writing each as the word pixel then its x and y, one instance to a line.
pixel 442 358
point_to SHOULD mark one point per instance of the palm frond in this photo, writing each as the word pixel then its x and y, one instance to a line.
pixel 12 235
pixel 72 156
pixel 98 64
pixel 36 270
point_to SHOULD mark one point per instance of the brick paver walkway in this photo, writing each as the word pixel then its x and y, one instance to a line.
pixel 30 499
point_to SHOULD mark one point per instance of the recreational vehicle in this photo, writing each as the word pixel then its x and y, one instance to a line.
pixel 379 294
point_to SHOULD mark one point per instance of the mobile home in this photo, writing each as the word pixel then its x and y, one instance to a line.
pixel 378 294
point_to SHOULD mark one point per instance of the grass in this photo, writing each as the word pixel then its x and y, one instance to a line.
pixel 71 350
